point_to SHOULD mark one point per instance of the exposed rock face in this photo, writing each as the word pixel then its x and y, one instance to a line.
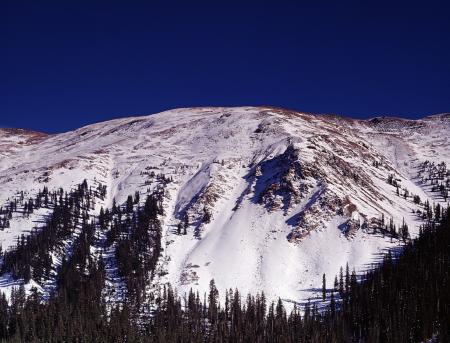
pixel 282 182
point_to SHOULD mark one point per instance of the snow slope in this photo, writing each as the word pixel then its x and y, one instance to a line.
pixel 288 196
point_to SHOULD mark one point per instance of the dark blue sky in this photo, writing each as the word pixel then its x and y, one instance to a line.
pixel 64 64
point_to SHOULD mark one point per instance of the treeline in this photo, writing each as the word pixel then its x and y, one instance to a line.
pixel 133 230
pixel 405 299
pixel 25 206
pixel 31 257
pixel 437 175
pixel 76 310
pixel 135 233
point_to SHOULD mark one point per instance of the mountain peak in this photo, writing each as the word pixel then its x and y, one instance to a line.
pixel 260 198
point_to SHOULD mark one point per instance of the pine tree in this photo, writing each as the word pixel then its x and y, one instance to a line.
pixel 324 288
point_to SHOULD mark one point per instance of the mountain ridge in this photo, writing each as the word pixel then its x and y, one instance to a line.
pixel 439 116
pixel 270 199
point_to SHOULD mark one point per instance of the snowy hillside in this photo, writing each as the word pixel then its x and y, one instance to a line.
pixel 262 199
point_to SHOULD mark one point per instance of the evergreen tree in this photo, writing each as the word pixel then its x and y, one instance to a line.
pixel 324 288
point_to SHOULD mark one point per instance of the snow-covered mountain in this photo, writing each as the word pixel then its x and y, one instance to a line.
pixel 259 198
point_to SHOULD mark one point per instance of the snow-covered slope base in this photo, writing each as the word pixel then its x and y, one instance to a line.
pixel 262 199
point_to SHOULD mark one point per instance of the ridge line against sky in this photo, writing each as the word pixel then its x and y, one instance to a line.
pixel 69 64
pixel 343 116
